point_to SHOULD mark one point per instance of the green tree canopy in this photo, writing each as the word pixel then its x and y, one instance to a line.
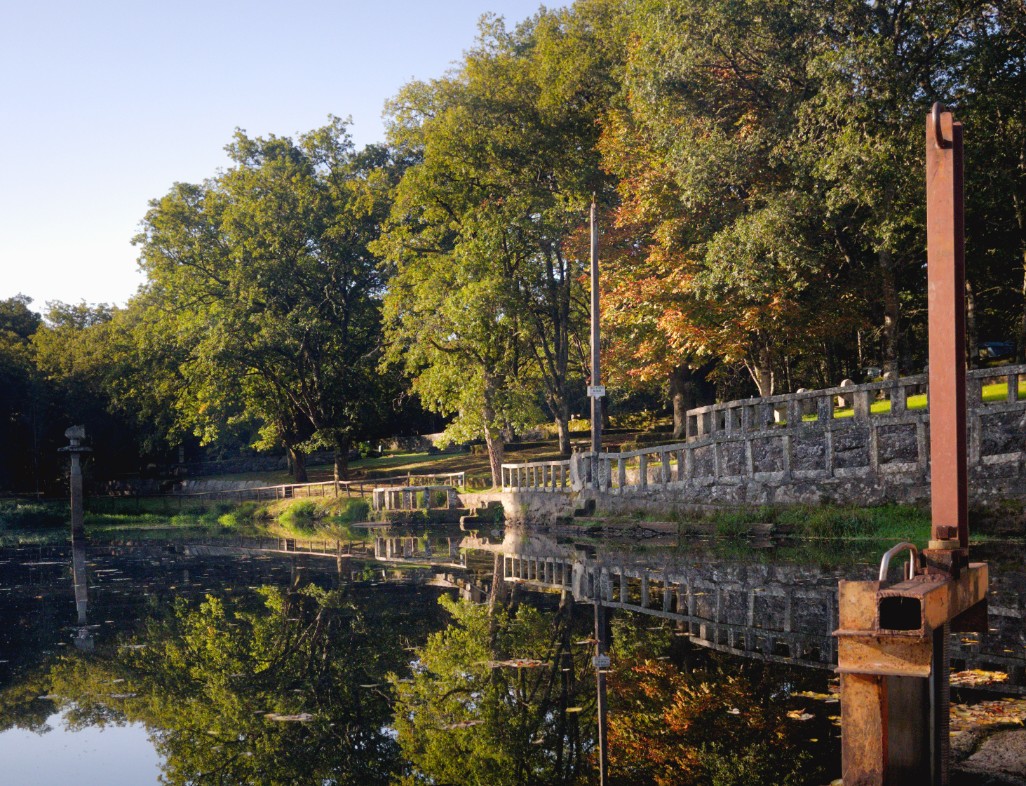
pixel 262 278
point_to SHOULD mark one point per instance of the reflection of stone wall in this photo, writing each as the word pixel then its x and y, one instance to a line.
pixel 769 611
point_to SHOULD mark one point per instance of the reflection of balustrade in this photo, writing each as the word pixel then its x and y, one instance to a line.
pixel 775 621
pixel 536 476
pixel 803 437
pixel 412 497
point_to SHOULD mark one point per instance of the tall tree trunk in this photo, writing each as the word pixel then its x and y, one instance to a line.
pixel 298 460
pixel 760 367
pixel 689 388
pixel 1020 220
pixel 972 337
pixel 496 454
pixel 493 434
pixel 889 328
pixel 563 430
pixel 341 464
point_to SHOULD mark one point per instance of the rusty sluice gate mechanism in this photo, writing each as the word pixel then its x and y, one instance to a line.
pixel 892 648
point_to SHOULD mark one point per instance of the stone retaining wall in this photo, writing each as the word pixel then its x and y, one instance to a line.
pixel 748 452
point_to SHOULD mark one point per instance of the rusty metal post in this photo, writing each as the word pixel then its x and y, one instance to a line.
pixel 945 256
pixel 892 650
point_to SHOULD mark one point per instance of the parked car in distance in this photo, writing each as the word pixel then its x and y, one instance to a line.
pixel 994 351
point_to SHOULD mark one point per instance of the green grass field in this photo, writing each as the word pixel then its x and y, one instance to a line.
pixel 991 394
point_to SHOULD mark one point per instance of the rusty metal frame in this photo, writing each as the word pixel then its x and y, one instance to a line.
pixel 893 638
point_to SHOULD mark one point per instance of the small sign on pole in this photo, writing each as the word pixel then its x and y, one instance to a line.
pixel 601 661
pixel 596 391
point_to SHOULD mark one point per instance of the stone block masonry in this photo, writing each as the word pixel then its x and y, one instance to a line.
pixel 795 449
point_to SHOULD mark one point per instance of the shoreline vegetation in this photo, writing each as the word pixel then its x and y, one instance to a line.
pixel 30 521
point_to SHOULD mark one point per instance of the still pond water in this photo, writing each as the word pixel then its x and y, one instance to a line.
pixel 440 660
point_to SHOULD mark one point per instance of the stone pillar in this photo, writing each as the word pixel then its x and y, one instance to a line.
pixel 75 449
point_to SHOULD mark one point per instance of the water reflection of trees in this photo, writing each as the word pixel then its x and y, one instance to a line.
pixel 499 697
pixel 694 723
pixel 209 683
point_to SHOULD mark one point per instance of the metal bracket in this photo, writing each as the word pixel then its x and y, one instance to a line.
pixel 885 561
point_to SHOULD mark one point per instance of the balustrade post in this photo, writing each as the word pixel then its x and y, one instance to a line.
pixel 643 471
pixel 665 472
pixel 824 410
pixel 973 392
pixel 747 415
pixel 1013 388
pixel 621 472
pixel 899 400
pixel 861 404
pixel 794 412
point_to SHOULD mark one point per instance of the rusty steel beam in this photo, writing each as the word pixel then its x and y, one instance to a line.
pixel 945 237
pixel 892 640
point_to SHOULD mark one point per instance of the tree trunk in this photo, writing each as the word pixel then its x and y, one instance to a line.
pixel 341 468
pixel 972 337
pixel 493 433
pixel 563 430
pixel 761 370
pixel 497 597
pixel 689 388
pixel 298 460
pixel 496 454
pixel 889 329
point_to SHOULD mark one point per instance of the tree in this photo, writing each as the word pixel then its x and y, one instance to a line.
pixel 496 698
pixel 729 259
pixel 210 681
pixel 993 81
pixel 877 71
pixel 263 276
pixel 505 167
pixel 20 402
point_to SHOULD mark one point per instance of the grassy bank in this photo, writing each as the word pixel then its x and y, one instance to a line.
pixel 885 522
pixel 32 521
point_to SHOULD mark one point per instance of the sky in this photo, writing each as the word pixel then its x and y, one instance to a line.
pixel 104 105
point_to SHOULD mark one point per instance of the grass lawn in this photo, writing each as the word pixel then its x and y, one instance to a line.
pixel 991 393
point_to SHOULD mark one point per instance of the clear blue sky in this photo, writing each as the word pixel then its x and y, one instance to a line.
pixel 106 104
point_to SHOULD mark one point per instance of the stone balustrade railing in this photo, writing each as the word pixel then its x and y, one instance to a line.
pixel 804 447
pixel 537 476
pixel 413 497
pixel 853 401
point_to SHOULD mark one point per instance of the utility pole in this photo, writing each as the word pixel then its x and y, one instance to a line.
pixel 601 665
pixel 595 390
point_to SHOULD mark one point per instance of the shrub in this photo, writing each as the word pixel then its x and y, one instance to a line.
pixel 20 513
pixel 299 515
pixel 244 513
pixel 353 510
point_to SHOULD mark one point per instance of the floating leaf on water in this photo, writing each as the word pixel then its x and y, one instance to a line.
pixel 811 694
pixel 733 711
pixel 975 677
pixel 800 715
